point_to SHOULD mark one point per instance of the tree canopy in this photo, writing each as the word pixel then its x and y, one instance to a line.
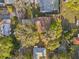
pixel 6 47
pixel 27 37
pixel 73 5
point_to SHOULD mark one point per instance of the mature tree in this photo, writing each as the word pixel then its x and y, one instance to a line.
pixel 23 8
pixel 52 37
pixel 29 38
pixel 73 5
pixel 26 35
pixel 6 47
pixel 70 9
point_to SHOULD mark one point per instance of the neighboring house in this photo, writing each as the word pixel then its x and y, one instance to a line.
pixel 5 27
pixel 47 6
pixel 39 53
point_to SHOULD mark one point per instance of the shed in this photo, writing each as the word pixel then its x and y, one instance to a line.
pixel 39 53
pixel 5 27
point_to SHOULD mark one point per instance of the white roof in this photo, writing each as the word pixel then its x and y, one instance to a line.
pixel 6 29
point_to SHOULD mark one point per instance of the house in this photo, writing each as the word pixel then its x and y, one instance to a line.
pixel 5 27
pixel 39 53
pixel 49 6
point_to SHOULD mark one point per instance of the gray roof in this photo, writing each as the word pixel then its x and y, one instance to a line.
pixel 1 1
pixel 49 5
